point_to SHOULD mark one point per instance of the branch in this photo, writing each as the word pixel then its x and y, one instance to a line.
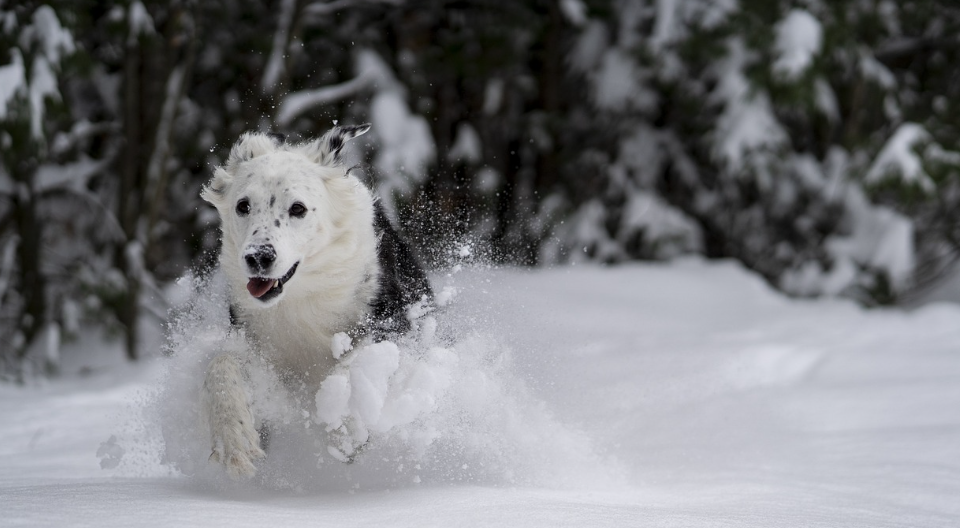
pixel 156 166
pixel 905 48
pixel 297 103
pixel 274 69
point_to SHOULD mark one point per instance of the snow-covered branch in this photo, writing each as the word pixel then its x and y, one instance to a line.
pixel 168 113
pixel 273 71
pixel 297 103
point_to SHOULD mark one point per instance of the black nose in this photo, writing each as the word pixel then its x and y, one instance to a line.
pixel 260 258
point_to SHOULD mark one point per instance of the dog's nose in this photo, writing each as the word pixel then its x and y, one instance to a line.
pixel 260 258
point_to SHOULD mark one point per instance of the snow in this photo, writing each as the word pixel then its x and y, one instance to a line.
pixel 140 21
pixel 688 394
pixel 877 239
pixel 574 11
pixel 12 80
pixel 874 70
pixel 7 256
pixel 709 14
pixel 406 142
pixel 589 47
pixel 666 28
pixel 669 231
pixel 584 231
pixel 43 85
pixel 747 123
pixel 898 160
pixel 826 100
pixel 492 96
pixel 406 146
pixel 799 40
pixel 53 41
pixel 341 343
pixel 880 238
pixel 619 84
pixel 486 180
pixel 53 38
pixel 73 176
pixel 467 146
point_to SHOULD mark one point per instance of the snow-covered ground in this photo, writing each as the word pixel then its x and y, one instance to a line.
pixel 687 394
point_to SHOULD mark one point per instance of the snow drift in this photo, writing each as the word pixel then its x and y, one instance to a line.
pixel 713 400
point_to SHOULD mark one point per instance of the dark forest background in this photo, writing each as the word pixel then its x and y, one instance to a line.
pixel 813 141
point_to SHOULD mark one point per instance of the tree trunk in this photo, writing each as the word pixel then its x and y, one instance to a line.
pixel 128 202
pixel 32 284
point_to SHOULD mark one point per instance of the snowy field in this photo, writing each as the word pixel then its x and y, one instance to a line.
pixel 644 395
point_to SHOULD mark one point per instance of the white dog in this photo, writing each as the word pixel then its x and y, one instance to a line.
pixel 308 253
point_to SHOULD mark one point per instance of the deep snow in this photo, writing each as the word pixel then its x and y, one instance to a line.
pixel 650 395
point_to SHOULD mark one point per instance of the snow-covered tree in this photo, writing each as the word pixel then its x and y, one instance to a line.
pixel 37 171
pixel 783 134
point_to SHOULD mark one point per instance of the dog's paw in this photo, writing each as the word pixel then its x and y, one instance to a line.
pixel 236 447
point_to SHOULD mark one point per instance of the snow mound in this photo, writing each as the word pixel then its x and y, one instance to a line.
pixel 799 40
pixel 442 404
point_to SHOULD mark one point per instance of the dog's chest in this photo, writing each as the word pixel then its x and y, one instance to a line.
pixel 296 338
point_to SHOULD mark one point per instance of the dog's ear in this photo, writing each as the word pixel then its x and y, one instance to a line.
pixel 215 191
pixel 326 150
pixel 249 146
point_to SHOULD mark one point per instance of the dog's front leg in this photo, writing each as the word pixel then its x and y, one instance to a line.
pixel 234 438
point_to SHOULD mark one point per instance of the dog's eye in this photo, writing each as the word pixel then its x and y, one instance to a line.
pixel 298 210
pixel 243 207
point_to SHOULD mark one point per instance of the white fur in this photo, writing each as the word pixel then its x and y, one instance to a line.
pixel 330 292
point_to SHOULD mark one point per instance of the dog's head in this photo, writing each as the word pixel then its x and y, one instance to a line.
pixel 281 205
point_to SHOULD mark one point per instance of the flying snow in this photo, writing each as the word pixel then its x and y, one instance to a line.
pixel 440 404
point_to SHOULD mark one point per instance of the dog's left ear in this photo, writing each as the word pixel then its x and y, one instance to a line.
pixel 326 150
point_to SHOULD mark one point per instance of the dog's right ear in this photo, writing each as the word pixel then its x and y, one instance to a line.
pixel 249 146
pixel 215 191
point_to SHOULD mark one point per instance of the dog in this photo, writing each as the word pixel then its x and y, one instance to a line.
pixel 308 253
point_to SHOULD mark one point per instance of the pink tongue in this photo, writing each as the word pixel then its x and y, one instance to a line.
pixel 257 287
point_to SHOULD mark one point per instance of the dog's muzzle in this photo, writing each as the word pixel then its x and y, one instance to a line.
pixel 266 289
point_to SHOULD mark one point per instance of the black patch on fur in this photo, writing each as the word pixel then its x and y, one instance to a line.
pixel 352 131
pixel 338 136
pixel 402 279
pixel 276 223
pixel 273 200
pixel 264 433
pixel 335 144
pixel 235 317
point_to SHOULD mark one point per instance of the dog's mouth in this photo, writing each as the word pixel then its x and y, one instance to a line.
pixel 265 289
